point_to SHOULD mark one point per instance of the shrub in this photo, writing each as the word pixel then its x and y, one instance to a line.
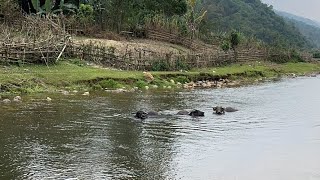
pixel 160 66
pixel 141 84
pixel 225 46
pixel 181 65
pixel 316 55
pixel 97 87
pixel 295 56
pixel 182 79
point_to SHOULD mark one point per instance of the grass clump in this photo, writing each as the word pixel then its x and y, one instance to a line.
pixel 182 79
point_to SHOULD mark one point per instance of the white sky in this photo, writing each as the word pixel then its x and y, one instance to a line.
pixel 306 8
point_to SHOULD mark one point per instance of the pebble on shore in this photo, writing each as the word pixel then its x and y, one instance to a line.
pixel 6 101
pixel 17 99
pixel 86 94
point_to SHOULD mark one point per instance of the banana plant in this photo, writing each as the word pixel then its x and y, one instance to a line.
pixel 48 7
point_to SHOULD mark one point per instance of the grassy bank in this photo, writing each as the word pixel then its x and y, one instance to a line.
pixel 70 76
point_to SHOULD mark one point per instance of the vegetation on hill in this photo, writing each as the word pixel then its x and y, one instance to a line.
pixel 253 19
pixel 298 18
pixel 308 28
pixel 200 18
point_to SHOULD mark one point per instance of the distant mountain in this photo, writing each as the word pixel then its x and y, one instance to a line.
pixel 298 18
pixel 253 18
pixel 308 28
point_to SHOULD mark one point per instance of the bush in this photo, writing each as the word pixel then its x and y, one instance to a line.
pixel 181 65
pixel 110 84
pixel 182 79
pixel 295 56
pixel 141 84
pixel 316 55
pixel 160 66
pixel 225 46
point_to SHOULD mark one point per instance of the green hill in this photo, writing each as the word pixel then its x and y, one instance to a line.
pixel 308 28
pixel 254 19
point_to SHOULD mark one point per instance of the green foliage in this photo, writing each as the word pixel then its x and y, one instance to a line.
pixel 110 83
pixel 97 87
pixel 85 15
pixel 182 79
pixel 234 39
pixel 129 15
pixel 253 19
pixel 225 46
pixel 49 7
pixel 181 64
pixel 308 28
pixel 316 55
pixel 141 84
pixel 163 65
pixel 295 56
pixel 231 41
pixel 85 10
pixel 160 65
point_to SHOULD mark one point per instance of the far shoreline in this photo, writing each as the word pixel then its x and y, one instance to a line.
pixel 67 77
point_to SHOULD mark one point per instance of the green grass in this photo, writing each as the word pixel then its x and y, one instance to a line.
pixel 64 72
pixel 64 75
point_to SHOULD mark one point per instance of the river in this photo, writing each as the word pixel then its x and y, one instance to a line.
pixel 274 136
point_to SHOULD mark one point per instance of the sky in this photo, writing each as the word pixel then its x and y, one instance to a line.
pixel 305 8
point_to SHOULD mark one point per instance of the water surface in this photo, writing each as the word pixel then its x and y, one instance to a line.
pixel 274 136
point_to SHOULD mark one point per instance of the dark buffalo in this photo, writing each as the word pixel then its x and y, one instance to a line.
pixel 230 109
pixel 153 113
pixel 196 113
pixel 219 110
pixel 141 115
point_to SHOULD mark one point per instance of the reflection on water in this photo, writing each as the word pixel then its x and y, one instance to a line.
pixel 275 135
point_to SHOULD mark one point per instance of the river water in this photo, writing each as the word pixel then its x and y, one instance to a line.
pixel 274 136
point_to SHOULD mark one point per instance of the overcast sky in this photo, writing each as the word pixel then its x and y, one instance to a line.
pixel 306 8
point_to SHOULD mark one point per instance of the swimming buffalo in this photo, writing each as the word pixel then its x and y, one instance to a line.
pixel 141 115
pixel 196 113
pixel 219 110
pixel 230 109
pixel 153 113
pixel 183 112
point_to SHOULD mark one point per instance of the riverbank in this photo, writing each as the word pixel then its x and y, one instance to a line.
pixel 75 76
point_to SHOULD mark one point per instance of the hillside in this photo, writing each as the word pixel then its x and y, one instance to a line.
pixel 308 28
pixel 252 18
